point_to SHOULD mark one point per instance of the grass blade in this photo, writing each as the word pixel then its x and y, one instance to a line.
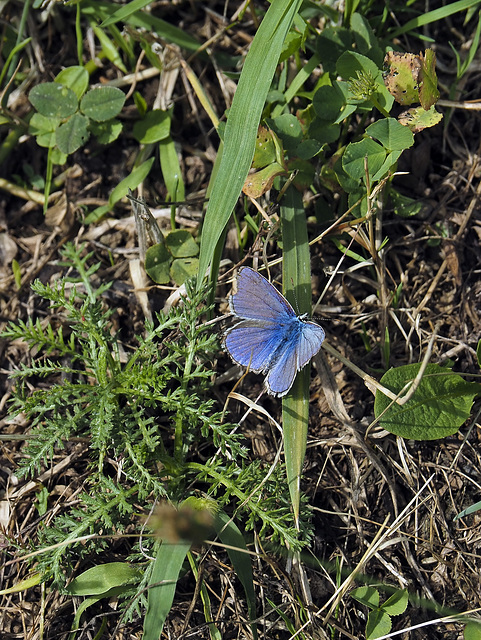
pixel 297 289
pixel 242 123
pixel 162 585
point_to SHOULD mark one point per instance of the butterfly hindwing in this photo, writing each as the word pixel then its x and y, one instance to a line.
pixel 293 356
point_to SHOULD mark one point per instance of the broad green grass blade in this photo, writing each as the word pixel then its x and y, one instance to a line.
pixel 230 535
pixel 163 582
pixel 242 123
pixel 296 277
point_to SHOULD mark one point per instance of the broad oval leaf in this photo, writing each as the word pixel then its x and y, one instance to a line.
pixel 157 263
pixel 356 152
pixel 328 102
pixel 44 129
pixel 440 405
pixel 71 135
pixel 53 100
pixel 391 134
pixel 75 78
pixel 181 244
pixel 102 578
pixel 397 603
pixel 369 596
pixel 183 268
pixel 102 103
pixel 378 624
pixel 472 631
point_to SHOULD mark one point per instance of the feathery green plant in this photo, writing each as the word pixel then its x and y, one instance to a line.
pixel 143 419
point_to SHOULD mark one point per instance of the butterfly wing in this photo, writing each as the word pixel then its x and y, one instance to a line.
pixel 301 345
pixel 253 344
pixel 258 299
pixel 270 337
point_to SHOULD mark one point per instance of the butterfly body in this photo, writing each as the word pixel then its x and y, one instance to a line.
pixel 269 337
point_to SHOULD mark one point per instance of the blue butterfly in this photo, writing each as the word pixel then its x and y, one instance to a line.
pixel 270 338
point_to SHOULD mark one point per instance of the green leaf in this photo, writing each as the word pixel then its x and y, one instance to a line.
pixel 110 49
pixel 267 145
pixel 32 580
pixel 163 582
pixel 439 406
pixel 75 78
pixel 44 129
pixel 182 269
pixel 351 65
pixel 181 244
pixel 296 279
pixel 73 134
pixel 403 77
pixel 106 132
pixel 57 157
pixel 154 127
pixel 308 149
pixel 98 580
pixel 466 512
pixel 331 43
pixel 429 17
pixel 157 263
pixel 397 603
pixel 323 131
pixel 472 631
pixel 367 42
pixel 53 100
pixel 132 181
pixel 102 103
pixel 390 160
pixel 289 129
pixel 428 91
pixel 418 118
pixel 378 624
pixel 354 155
pixel 404 206
pixel 369 596
pixel 329 102
pixel 111 13
pixel 122 13
pixel 391 134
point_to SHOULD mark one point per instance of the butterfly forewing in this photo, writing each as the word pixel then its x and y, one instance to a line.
pixel 253 345
pixel 257 299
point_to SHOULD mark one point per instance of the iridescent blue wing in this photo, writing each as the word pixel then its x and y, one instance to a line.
pixel 270 337
pixel 258 299
pixel 293 355
pixel 253 343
